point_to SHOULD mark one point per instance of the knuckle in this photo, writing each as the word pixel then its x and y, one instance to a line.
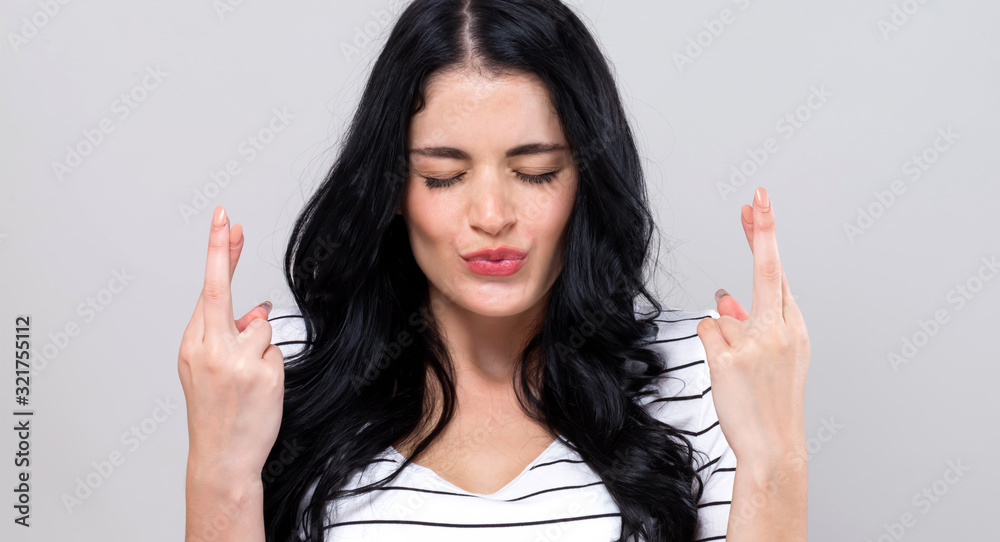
pixel 185 353
pixel 215 291
pixel 218 240
pixel 775 317
pixel 213 365
pixel 724 359
pixel 728 321
pixel 274 355
pixel 741 351
pixel 263 326
pixel 780 343
pixel 262 376
pixel 216 359
pixel 184 372
pixel 259 325
pixel 780 348
pixel 803 341
pixel 250 328
pixel 764 222
pixel 276 377
pixel 770 270
pixel 706 324
pixel 246 373
pixel 702 327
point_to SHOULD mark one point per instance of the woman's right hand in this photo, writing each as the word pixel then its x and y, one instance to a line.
pixel 232 376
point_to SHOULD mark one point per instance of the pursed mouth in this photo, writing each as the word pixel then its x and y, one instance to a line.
pixel 498 254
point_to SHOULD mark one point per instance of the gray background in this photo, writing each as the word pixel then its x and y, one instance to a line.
pixel 878 435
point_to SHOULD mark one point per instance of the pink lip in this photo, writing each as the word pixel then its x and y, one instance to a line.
pixel 496 262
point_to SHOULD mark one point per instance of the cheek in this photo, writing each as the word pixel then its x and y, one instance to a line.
pixel 553 217
pixel 429 221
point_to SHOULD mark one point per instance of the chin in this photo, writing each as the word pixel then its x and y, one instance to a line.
pixel 493 301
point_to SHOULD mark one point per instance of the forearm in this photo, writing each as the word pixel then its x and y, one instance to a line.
pixel 769 499
pixel 223 508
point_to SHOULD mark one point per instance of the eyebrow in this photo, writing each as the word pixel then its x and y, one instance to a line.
pixel 459 154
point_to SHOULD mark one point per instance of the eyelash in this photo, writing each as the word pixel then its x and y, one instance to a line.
pixel 534 179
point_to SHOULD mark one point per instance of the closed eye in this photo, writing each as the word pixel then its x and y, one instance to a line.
pixel 541 178
pixel 538 179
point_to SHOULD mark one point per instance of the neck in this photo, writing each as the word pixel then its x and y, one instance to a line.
pixel 484 349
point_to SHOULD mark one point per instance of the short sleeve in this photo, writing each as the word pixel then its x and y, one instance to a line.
pixel 683 400
pixel 288 333
pixel 288 330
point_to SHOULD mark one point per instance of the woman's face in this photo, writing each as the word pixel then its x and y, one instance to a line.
pixel 515 186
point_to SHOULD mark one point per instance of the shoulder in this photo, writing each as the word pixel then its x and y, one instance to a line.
pixel 682 393
pixel 685 366
pixel 288 331
pixel 683 399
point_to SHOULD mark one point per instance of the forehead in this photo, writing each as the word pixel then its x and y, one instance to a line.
pixel 502 109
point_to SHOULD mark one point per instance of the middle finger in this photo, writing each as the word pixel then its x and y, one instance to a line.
pixel 766 262
pixel 235 248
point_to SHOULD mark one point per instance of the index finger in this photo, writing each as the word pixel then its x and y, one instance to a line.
pixel 217 298
pixel 767 295
pixel 788 306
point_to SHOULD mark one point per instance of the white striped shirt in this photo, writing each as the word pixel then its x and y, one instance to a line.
pixel 557 496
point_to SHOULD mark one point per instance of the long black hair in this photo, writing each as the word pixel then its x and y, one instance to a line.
pixel 359 384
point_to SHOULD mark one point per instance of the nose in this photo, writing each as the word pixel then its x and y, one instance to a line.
pixel 491 209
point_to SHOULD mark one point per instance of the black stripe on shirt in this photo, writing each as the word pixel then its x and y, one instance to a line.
pixel 473 525
pixel 438 492
pixel 720 469
pixel 599 482
pixel 685 366
pixel 681 397
pixel 698 433
pixel 674 339
pixel 422 490
pixel 283 343
pixel 557 461
pixel 284 316
pixel 714 503
pixel 712 462
pixel 683 319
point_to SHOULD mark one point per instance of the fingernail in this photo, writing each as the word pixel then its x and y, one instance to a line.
pixel 720 294
pixel 761 200
pixel 219 220
pixel 267 306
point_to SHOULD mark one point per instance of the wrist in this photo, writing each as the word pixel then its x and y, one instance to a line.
pixel 223 480
pixel 223 508
pixel 780 468
pixel 766 450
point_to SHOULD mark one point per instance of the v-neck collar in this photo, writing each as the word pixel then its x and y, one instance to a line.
pixel 524 472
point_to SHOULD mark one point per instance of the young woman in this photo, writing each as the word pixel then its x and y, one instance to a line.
pixel 472 351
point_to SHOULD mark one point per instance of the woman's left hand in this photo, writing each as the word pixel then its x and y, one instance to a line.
pixel 758 361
